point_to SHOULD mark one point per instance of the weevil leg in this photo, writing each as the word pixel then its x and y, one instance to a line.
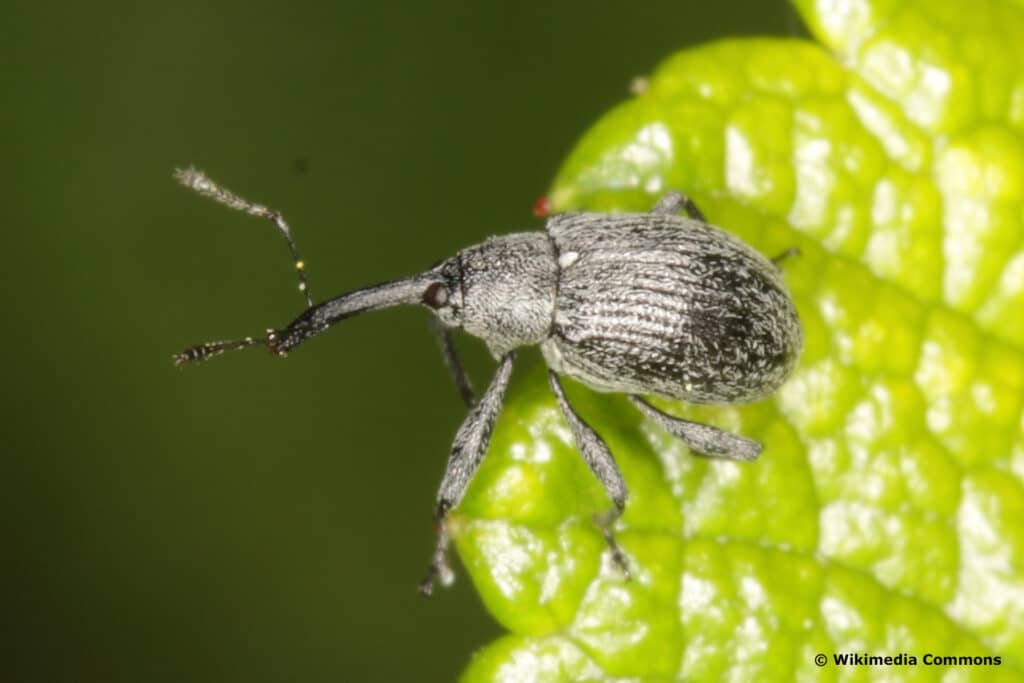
pixel 468 450
pixel 673 202
pixel 701 438
pixel 451 359
pixel 784 255
pixel 597 456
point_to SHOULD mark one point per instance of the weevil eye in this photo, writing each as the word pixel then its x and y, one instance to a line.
pixel 436 295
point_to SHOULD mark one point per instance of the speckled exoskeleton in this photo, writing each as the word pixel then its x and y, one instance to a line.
pixel 634 303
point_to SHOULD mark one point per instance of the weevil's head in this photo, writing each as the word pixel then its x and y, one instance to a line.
pixel 501 290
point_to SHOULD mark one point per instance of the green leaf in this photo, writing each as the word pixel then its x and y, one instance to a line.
pixel 886 514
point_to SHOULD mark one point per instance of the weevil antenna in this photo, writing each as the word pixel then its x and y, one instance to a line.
pixel 195 179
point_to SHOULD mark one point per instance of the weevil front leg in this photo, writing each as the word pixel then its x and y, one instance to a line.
pixel 597 456
pixel 701 438
pixel 672 203
pixel 451 360
pixel 468 450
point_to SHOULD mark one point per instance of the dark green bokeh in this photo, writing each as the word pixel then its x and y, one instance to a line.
pixel 254 519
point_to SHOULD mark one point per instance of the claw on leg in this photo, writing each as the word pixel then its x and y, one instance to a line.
pixel 440 571
pixel 605 521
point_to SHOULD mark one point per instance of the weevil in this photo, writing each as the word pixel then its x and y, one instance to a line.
pixel 641 304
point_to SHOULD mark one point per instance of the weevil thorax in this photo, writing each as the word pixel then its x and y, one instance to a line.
pixel 505 290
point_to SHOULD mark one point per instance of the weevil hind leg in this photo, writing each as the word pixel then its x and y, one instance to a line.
pixel 597 456
pixel 468 449
pixel 451 360
pixel 701 438
pixel 671 203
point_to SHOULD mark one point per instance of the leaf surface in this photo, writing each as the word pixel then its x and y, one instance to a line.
pixel 886 513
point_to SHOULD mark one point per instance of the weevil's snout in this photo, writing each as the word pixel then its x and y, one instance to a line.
pixel 429 288
pixel 280 342
pixel 438 289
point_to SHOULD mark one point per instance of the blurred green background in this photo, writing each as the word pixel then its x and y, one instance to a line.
pixel 255 519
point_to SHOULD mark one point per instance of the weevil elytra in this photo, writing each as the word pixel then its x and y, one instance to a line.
pixel 634 303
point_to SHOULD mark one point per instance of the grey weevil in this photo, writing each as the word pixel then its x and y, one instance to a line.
pixel 633 303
